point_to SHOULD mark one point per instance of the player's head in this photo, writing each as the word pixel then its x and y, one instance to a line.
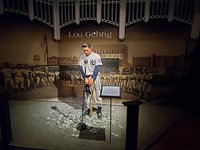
pixel 87 48
pixel 86 45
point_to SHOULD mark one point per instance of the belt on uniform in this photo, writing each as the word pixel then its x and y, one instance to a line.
pixel 87 76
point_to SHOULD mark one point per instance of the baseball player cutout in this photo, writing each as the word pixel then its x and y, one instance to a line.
pixel 89 65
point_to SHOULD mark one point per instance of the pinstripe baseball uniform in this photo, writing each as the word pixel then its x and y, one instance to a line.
pixel 88 63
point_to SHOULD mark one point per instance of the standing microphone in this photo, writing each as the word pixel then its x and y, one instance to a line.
pixel 82 125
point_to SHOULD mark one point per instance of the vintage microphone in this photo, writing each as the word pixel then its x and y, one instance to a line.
pixel 82 125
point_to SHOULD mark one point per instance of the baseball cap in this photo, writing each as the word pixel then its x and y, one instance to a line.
pixel 86 45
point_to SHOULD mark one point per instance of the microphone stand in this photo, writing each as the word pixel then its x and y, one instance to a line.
pixel 81 126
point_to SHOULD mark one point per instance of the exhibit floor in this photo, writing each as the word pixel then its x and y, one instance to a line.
pixel 35 124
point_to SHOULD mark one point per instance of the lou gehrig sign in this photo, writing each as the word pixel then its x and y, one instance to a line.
pixel 90 34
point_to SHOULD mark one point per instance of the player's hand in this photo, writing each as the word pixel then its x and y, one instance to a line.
pixel 86 81
pixel 90 81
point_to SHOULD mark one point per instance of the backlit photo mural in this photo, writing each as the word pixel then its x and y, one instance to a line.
pixel 35 65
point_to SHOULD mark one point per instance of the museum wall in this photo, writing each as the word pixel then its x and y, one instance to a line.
pixel 142 39
pixel 155 49
pixel 21 39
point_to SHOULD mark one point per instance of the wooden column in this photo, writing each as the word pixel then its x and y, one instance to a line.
pixel 98 11
pixel 147 11
pixel 122 19
pixel 196 21
pixel 56 20
pixel 77 12
pixel 30 9
pixel 1 7
pixel 171 10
